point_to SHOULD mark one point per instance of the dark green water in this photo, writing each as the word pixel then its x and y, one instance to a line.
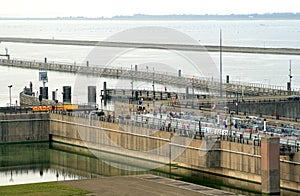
pixel 44 162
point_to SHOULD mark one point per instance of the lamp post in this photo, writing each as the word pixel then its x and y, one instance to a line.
pixel 193 85
pixel 63 98
pixel 200 129
pixel 230 125
pixel 153 89
pixel 10 86
pixel 237 103
pixel 131 83
pixel 90 115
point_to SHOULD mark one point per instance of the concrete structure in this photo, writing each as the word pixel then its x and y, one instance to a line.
pixel 209 48
pixel 24 127
pixel 278 107
pixel 27 100
pixel 270 165
pixel 240 163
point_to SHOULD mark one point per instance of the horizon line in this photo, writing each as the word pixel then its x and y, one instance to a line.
pixel 274 15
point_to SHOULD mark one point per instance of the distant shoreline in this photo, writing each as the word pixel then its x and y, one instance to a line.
pixel 272 16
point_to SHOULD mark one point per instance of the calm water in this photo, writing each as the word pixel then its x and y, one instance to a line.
pixel 266 69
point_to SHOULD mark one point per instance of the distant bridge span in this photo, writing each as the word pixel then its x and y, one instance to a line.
pixel 184 47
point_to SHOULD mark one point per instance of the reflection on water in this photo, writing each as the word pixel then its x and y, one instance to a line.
pixel 41 162
pixel 29 163
pixel 16 176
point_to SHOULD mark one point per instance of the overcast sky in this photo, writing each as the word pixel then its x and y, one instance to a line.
pixel 108 8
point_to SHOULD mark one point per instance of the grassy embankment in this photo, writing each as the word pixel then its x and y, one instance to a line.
pixel 41 189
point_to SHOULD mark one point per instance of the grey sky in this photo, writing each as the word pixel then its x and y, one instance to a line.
pixel 98 8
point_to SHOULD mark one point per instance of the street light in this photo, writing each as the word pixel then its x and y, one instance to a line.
pixel 200 129
pixel 153 89
pixel 90 115
pixel 160 110
pixel 193 85
pixel 237 103
pixel 131 83
pixel 230 126
pixel 10 95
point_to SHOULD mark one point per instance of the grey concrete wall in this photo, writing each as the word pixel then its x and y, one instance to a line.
pixel 24 127
pixel 237 161
pixel 225 158
pixel 290 109
pixel 290 171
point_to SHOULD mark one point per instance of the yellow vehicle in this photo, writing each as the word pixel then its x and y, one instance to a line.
pixel 68 107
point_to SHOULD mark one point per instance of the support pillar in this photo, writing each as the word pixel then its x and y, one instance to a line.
pixel 270 165
pixel 105 93
pixel 186 92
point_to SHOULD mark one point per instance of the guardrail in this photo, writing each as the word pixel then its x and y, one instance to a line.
pixel 202 129
pixel 196 82
pixel 191 128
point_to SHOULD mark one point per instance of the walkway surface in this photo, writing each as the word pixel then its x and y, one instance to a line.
pixel 143 185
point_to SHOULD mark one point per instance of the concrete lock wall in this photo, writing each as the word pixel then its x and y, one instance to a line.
pixel 285 108
pixel 147 147
pixel 131 144
pixel 24 127
pixel 290 171
pixel 244 159
pixel 236 161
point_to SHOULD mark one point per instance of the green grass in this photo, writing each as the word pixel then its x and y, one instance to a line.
pixel 41 189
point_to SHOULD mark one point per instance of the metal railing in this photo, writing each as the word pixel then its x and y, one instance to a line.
pixel 165 77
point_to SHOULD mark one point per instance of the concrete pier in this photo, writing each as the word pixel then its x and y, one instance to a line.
pixel 201 84
pixel 209 48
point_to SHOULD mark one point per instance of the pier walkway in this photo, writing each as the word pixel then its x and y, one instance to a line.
pixel 203 84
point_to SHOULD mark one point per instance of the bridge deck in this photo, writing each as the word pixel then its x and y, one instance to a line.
pixel 201 84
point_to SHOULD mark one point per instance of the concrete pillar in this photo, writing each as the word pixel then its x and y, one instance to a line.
pixel 187 92
pixel 270 165
pixel 179 73
pixel 53 95
pixel 104 93
pixel 44 92
pixel 67 98
pixel 227 79
pixel 91 94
